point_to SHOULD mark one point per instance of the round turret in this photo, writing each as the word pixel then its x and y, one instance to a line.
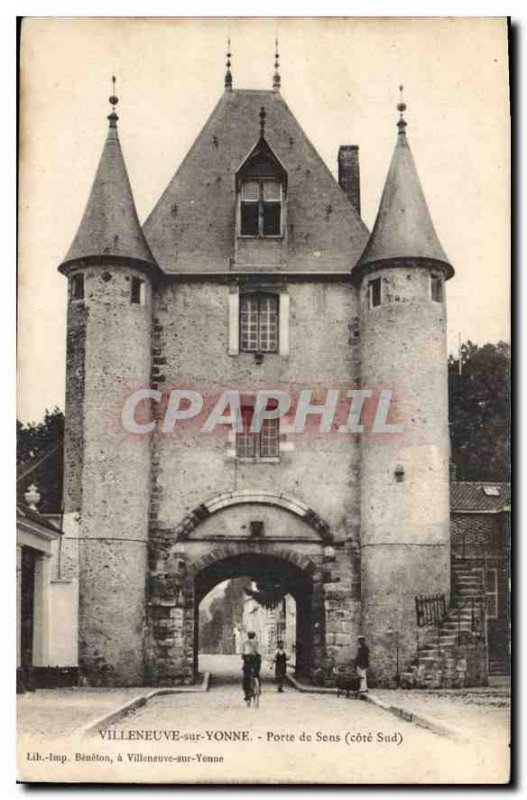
pixel 405 548
pixel 111 272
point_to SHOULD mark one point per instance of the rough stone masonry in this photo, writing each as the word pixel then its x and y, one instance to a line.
pixel 254 271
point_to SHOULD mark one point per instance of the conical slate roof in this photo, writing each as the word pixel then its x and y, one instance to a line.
pixel 110 226
pixel 192 227
pixel 404 227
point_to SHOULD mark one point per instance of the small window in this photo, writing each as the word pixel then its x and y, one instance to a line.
pixel 256 446
pixel 258 323
pixel 374 292
pixel 437 288
pixel 492 491
pixel 261 208
pixel 77 287
pixel 491 593
pixel 137 291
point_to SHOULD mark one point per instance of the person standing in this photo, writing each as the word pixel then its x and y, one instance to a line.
pixel 252 661
pixel 362 663
pixel 280 665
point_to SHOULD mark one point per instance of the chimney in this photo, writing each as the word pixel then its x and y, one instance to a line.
pixel 349 173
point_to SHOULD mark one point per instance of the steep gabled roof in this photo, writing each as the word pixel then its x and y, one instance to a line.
pixel 110 226
pixel 191 229
pixel 403 227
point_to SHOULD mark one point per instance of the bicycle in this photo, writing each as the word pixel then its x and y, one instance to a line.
pixel 255 691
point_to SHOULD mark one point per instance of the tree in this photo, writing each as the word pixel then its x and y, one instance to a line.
pixel 40 459
pixel 479 395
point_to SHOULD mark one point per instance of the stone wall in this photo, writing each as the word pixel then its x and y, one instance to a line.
pixel 405 517
pixel 177 583
pixel 109 359
pixel 191 348
pixel 191 328
pixel 74 414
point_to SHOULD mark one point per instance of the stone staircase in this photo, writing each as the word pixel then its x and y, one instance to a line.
pixel 453 654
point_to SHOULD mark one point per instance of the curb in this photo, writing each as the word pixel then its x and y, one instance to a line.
pixel 420 720
pixel 302 687
pixel 104 720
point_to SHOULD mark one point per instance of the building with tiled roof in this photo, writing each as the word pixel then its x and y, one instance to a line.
pixel 479 496
pixel 480 536
pixel 255 270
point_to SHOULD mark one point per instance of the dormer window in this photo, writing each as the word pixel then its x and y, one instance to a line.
pixel 261 207
pixel 261 184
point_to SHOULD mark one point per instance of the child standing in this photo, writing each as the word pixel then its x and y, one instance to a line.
pixel 280 665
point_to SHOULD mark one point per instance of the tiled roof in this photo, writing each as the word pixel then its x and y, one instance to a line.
pixel 191 229
pixel 468 496
pixel 403 227
pixel 109 226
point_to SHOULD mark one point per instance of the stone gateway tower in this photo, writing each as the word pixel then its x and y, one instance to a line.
pixel 405 536
pixel 254 273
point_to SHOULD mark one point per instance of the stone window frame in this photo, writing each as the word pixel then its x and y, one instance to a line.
pixel 248 446
pixel 259 329
pixel 283 296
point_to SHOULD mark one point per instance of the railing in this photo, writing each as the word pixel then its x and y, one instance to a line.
pixel 477 614
pixel 430 609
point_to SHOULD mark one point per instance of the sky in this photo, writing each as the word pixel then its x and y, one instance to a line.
pixel 340 77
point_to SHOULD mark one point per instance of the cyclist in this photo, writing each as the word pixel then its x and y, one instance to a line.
pixel 252 662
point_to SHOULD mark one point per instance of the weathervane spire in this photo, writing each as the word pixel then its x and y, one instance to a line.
pixel 276 76
pixel 228 73
pixel 401 108
pixel 112 116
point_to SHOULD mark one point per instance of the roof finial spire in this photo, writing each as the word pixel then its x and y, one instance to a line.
pixel 262 122
pixel 401 108
pixel 228 74
pixel 113 102
pixel 276 76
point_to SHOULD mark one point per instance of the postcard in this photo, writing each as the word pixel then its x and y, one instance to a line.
pixel 263 496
